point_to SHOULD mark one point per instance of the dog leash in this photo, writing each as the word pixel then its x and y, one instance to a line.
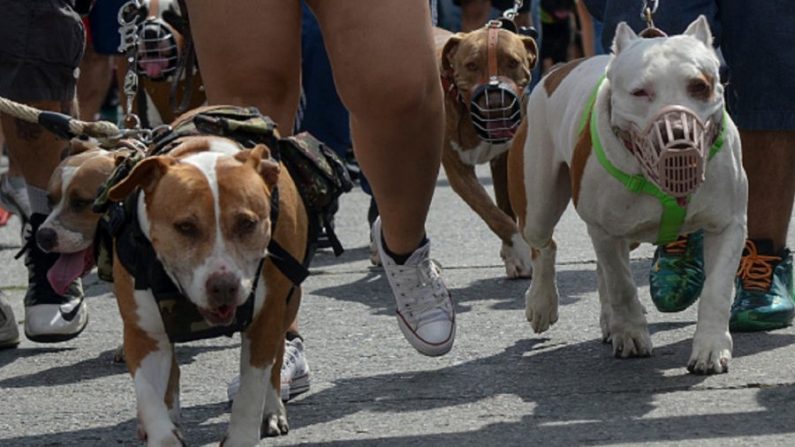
pixel 673 215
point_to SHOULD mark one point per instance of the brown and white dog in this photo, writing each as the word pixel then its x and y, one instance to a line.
pixel 657 108
pixel 471 64
pixel 205 208
pixel 161 47
pixel 71 226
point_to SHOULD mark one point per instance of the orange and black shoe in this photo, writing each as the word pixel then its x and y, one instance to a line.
pixel 764 296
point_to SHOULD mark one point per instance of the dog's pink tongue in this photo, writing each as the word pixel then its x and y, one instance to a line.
pixel 67 268
pixel 501 129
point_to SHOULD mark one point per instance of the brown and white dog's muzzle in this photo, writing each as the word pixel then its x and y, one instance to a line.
pixel 672 149
pixel 495 108
pixel 495 105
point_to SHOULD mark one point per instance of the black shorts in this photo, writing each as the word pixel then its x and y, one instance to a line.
pixel 41 44
pixel 502 5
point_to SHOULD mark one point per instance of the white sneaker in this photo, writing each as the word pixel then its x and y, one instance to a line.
pixel 294 373
pixel 425 311
pixel 9 333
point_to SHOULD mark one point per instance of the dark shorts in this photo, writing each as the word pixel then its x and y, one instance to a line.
pixel 41 44
pixel 756 40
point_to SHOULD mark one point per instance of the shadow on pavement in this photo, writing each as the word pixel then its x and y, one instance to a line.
pixel 372 289
pixel 94 368
pixel 582 395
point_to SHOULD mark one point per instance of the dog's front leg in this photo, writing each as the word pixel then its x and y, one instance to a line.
pixel 712 343
pixel 515 252
pixel 622 313
pixel 156 378
pixel 247 409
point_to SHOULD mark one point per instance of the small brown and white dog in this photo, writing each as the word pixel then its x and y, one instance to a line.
pixel 71 227
pixel 626 137
pixel 484 75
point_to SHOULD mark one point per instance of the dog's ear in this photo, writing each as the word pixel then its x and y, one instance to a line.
pixel 700 30
pixel 260 160
pixel 145 175
pixel 624 36
pixel 532 50
pixel 449 51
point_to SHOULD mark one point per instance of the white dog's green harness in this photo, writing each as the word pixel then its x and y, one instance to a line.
pixel 673 215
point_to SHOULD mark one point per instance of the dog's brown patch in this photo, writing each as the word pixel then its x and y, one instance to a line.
pixel 558 74
pixel 701 87
pixel 516 192
pixel 582 151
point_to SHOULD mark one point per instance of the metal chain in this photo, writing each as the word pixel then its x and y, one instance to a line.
pixel 511 13
pixel 649 8
pixel 129 19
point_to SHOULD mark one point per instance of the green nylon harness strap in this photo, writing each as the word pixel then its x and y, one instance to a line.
pixel 673 215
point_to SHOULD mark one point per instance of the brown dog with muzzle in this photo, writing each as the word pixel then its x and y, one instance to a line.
pixel 484 75
pixel 162 47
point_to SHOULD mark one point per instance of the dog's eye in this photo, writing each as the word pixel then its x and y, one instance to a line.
pixel 185 228
pixel 245 225
pixel 641 93
pixel 78 204
pixel 472 66
pixel 699 89
pixel 513 64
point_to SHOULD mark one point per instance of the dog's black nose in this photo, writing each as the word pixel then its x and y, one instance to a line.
pixel 47 238
pixel 222 288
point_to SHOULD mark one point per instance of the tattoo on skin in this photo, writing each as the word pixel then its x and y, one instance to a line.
pixel 27 131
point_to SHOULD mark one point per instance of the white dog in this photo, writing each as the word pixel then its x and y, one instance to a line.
pixel 664 150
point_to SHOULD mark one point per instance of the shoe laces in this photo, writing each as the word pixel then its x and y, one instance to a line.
pixel 290 356
pixel 756 271
pixel 677 247
pixel 420 286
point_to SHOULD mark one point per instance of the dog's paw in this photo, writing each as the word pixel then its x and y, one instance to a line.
pixel 275 425
pixel 630 340
pixel 516 258
pixel 541 308
pixel 711 354
pixel 163 438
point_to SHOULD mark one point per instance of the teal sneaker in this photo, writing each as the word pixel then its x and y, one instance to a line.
pixel 677 273
pixel 764 297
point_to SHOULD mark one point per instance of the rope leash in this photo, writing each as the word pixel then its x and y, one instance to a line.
pixel 66 127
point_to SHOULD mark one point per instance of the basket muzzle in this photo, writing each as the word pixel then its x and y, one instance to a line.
pixel 672 149
pixel 159 47
pixel 495 108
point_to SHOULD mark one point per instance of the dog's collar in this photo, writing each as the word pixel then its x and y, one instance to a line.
pixel 673 215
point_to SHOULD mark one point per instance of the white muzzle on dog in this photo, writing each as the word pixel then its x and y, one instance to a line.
pixel 672 150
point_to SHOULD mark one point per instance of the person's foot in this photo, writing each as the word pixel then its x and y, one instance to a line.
pixel 9 333
pixel 294 372
pixel 50 317
pixel 14 196
pixel 425 310
pixel 764 295
pixel 677 273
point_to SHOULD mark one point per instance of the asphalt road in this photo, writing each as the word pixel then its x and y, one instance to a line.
pixel 500 385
